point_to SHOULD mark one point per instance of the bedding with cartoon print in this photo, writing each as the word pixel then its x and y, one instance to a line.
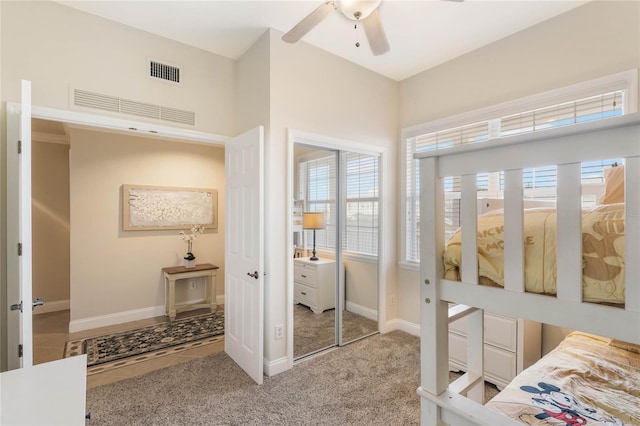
pixel 586 380
pixel 602 246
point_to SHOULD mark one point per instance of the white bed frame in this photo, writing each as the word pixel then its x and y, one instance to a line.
pixel 619 137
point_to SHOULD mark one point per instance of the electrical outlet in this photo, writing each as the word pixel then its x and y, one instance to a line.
pixel 278 331
pixel 393 299
pixel 193 283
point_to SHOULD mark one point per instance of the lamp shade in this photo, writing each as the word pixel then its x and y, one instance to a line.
pixel 313 220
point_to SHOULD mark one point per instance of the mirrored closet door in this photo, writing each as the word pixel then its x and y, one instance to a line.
pixel 359 235
pixel 335 238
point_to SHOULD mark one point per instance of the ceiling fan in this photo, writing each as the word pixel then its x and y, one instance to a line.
pixel 364 11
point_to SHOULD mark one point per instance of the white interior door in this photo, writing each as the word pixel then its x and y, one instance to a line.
pixel 19 324
pixel 244 252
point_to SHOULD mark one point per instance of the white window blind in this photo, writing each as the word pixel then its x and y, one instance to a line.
pixel 361 185
pixel 361 227
pixel 319 176
pixel 541 179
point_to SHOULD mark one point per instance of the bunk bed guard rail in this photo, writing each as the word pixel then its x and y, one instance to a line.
pixel 566 148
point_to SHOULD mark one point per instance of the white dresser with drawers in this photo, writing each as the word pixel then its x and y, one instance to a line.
pixel 510 345
pixel 314 283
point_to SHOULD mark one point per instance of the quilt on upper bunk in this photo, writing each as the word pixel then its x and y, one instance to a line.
pixel 602 246
pixel 586 380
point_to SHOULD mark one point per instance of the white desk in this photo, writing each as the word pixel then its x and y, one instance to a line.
pixel 174 273
pixel 50 394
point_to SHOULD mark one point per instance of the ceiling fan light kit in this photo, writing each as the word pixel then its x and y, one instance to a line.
pixel 365 11
pixel 357 9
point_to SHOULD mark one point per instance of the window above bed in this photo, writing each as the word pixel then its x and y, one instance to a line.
pixel 597 99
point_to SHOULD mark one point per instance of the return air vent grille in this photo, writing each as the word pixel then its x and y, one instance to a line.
pixel 177 116
pixel 164 72
pixel 138 108
pixel 95 100
pixel 87 99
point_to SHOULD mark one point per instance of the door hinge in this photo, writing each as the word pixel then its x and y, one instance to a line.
pixel 19 249
pixel 20 350
pixel 19 147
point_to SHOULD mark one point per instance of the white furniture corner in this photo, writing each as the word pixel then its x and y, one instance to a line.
pixel 510 346
pixel 53 393
pixel 315 283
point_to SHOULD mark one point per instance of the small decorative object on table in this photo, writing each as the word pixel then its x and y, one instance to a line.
pixel 190 259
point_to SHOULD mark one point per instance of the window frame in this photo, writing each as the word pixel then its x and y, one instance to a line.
pixel 626 80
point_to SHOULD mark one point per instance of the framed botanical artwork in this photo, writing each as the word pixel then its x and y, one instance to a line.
pixel 160 207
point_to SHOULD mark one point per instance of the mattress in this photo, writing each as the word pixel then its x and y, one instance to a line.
pixel 586 380
pixel 602 246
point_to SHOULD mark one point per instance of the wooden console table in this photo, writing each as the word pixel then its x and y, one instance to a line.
pixel 174 273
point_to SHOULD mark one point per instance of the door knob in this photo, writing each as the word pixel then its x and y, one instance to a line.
pixel 254 275
pixel 17 306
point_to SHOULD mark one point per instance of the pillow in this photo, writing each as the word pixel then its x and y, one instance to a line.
pixel 631 347
pixel 613 185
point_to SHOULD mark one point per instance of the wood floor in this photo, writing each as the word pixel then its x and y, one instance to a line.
pixel 50 332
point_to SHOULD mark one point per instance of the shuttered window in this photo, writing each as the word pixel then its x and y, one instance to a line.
pixel 541 179
pixel 319 177
pixel 361 186
pixel 361 226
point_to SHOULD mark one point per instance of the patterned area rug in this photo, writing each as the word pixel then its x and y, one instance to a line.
pixel 128 347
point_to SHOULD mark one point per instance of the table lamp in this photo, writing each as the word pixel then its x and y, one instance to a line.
pixel 313 220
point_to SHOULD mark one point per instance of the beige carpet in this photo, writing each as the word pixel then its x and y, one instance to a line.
pixel 313 332
pixel 370 382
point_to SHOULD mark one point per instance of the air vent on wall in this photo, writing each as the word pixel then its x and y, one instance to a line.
pixel 164 72
pixel 88 99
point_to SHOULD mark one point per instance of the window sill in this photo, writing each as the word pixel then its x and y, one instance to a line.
pixel 409 265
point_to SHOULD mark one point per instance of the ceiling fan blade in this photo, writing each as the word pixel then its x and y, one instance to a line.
pixel 307 24
pixel 375 34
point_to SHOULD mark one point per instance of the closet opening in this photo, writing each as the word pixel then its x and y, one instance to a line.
pixel 335 212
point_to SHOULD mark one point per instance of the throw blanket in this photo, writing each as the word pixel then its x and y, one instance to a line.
pixel 602 252
pixel 586 380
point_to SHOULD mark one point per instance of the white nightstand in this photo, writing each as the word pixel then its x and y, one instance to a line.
pixel 510 345
pixel 314 283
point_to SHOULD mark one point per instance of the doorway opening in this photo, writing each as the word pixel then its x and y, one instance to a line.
pixel 53 188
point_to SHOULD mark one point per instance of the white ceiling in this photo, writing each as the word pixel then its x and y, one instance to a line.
pixel 421 33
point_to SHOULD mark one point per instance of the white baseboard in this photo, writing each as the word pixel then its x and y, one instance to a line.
pixel 55 306
pixel 402 325
pixel 369 313
pixel 271 368
pixel 116 318
pixel 121 317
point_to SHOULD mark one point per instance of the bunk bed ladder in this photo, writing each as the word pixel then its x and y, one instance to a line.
pixel 461 401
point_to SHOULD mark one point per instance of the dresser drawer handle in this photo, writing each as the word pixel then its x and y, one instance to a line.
pixel 303 293
pixel 303 276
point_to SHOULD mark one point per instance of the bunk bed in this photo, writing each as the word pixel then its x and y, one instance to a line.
pixel 445 299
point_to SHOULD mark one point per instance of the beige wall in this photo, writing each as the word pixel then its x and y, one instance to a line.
pixel 115 271
pixel 594 40
pixel 284 86
pixel 315 91
pixel 361 284
pixel 591 41
pixel 50 221
pixel 59 48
